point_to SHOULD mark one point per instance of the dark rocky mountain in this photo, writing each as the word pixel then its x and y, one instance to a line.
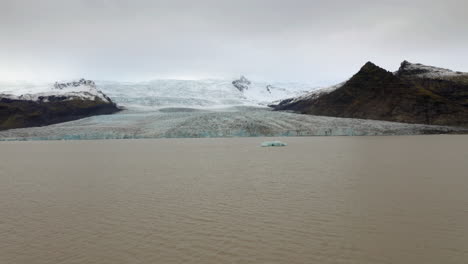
pixel 446 83
pixel 64 102
pixel 414 94
pixel 242 84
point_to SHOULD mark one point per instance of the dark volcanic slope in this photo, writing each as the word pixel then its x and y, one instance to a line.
pixel 24 113
pixel 415 94
pixel 443 82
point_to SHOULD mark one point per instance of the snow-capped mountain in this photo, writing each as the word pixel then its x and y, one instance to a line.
pixel 82 89
pixel 424 71
pixel 40 105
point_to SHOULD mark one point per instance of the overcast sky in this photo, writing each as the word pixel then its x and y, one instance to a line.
pixel 322 42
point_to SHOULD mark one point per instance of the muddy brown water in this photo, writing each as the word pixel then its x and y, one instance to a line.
pixel 318 200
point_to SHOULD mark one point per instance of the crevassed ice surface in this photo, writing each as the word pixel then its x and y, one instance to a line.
pixel 197 93
pixel 227 122
pixel 209 108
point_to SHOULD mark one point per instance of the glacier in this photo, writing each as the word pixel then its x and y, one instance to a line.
pixel 197 93
pixel 238 121
pixel 204 108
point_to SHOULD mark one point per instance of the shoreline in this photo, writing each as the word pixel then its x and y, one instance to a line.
pixel 256 141
pixel 265 138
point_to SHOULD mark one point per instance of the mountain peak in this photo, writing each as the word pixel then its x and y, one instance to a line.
pixel 242 84
pixel 371 68
pixel 81 82
pixel 408 69
pixel 370 64
pixel 405 64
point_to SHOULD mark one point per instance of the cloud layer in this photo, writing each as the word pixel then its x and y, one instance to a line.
pixel 295 40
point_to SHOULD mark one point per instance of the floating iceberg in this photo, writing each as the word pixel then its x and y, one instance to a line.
pixel 274 144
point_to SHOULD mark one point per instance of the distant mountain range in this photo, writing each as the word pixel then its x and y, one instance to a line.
pixel 416 93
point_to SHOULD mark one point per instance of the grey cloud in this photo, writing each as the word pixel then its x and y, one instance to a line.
pixel 298 40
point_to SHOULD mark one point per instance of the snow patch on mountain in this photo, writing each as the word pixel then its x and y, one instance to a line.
pixel 311 95
pixel 266 93
pixel 424 71
pixel 81 90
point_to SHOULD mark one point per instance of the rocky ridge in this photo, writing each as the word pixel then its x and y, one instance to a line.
pixel 414 94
